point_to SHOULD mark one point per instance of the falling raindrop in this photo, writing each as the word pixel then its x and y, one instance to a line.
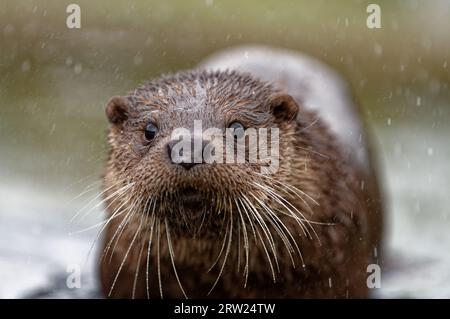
pixel 77 68
pixel 26 66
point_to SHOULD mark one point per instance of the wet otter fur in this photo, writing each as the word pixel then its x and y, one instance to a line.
pixel 308 230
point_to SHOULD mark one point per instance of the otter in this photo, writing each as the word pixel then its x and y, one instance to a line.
pixel 228 230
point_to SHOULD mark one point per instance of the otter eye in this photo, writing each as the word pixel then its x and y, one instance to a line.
pixel 238 129
pixel 150 131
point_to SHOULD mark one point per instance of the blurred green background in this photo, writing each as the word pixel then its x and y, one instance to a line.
pixel 55 83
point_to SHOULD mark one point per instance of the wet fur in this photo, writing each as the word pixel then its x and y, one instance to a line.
pixel 340 205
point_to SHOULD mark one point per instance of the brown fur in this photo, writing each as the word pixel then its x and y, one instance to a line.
pixel 341 200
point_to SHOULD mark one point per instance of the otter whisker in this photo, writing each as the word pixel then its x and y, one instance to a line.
pixel 309 223
pixel 312 123
pixel 226 254
pixel 263 244
pixel 121 191
pixel 125 257
pixel 138 265
pixel 239 235
pixel 249 219
pixel 122 227
pixel 114 215
pixel 290 191
pixel 136 272
pixel 221 250
pixel 183 216
pixel 116 236
pixel 87 189
pixel 292 194
pixel 301 218
pixel 285 186
pixel 276 222
pixel 150 238
pixel 159 258
pixel 129 212
pixel 83 230
pixel 104 222
pixel 201 223
pixel 239 246
pixel 281 201
pixel 270 212
pixel 172 257
pixel 312 151
pixel 97 197
pixel 246 248
pixel 300 221
pixel 264 228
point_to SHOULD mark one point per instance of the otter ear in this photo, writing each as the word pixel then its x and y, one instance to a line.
pixel 283 107
pixel 117 110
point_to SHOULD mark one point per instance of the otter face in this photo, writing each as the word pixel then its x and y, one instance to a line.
pixel 162 164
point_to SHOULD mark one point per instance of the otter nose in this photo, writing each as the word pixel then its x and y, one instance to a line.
pixel 188 165
pixel 186 153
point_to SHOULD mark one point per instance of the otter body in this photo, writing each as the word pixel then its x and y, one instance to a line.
pixel 227 230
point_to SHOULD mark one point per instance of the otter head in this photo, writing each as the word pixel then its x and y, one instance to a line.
pixel 164 166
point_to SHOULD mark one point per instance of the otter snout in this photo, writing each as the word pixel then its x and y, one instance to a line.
pixel 188 152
